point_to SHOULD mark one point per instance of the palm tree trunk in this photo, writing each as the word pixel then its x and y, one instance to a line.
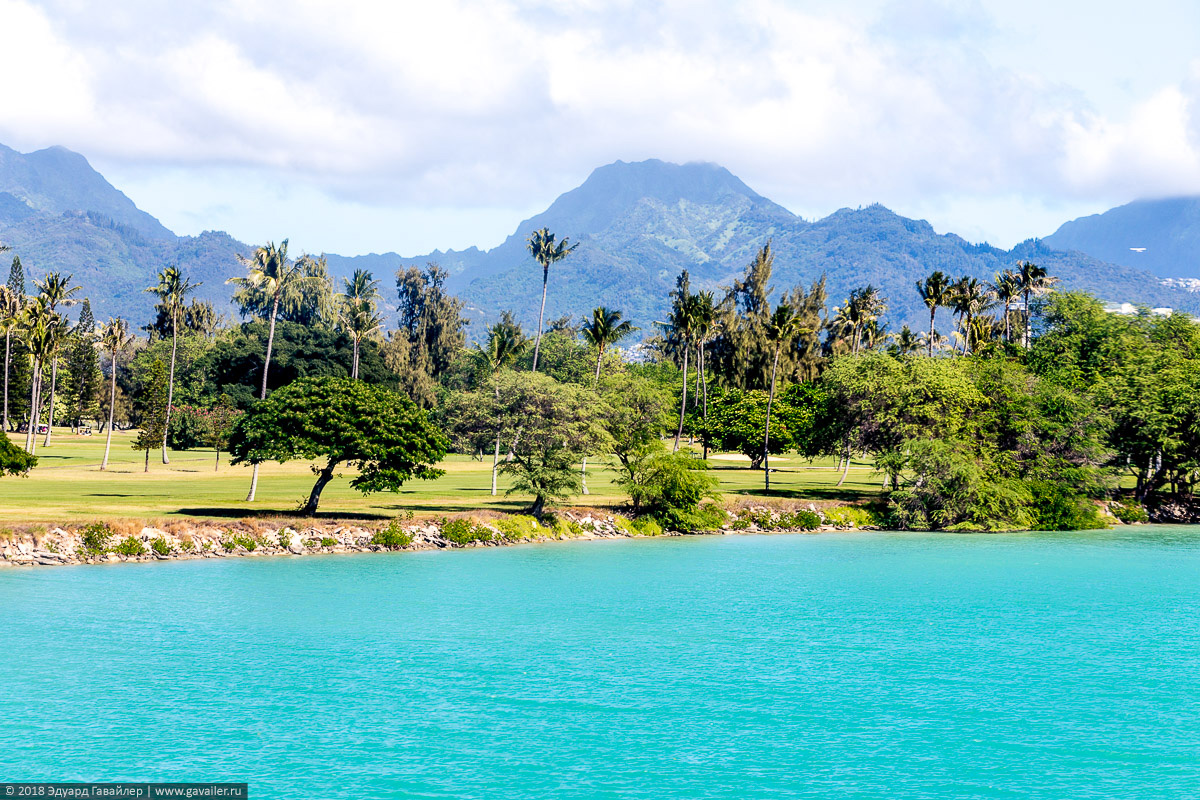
pixel 683 400
pixel 704 396
pixel 599 357
pixel 495 463
pixel 112 407
pixel 354 367
pixel 1007 332
pixel 170 387
pixel 31 430
pixel 932 330
pixel 845 471
pixel 7 363
pixel 50 412
pixel 263 392
pixel 1026 318
pixel 537 346
pixel 767 429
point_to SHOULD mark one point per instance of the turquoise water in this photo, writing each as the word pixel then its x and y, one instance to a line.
pixel 842 665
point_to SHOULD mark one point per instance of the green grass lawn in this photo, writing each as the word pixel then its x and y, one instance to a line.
pixel 68 486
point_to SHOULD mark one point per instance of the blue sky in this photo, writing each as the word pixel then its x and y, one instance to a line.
pixel 354 127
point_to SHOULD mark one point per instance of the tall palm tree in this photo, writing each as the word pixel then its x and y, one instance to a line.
pixel 975 299
pixel 681 327
pixel 706 323
pixel 358 312
pixel 864 306
pixel 172 290
pixel 1007 288
pixel 782 328
pixel 936 291
pixel 546 251
pixel 11 306
pixel 604 328
pixel 506 343
pixel 1034 281
pixel 905 342
pixel 39 330
pixel 269 271
pixel 58 291
pixel 116 338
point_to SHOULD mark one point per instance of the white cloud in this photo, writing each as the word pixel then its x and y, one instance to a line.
pixel 485 104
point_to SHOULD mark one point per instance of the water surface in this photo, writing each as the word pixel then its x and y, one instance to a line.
pixel 843 665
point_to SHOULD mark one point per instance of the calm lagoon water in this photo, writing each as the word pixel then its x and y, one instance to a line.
pixel 841 665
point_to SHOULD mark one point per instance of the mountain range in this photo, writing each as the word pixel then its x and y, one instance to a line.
pixel 638 225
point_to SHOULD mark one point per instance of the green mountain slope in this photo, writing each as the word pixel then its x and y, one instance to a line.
pixel 1159 236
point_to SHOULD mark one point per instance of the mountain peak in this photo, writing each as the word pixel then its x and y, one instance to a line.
pixel 57 180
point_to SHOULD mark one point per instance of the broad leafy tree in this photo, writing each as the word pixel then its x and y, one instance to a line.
pixel 337 421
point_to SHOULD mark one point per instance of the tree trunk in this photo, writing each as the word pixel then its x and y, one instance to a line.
pixel 50 412
pixel 323 477
pixel 599 357
pixel 846 471
pixel 538 507
pixel 1007 326
pixel 31 430
pixel 112 408
pixel 495 463
pixel 7 364
pixel 932 330
pixel 767 429
pixel 170 387
pixel 147 469
pixel 217 466
pixel 354 367
pixel 704 395
pixel 1026 318
pixel 537 346
pixel 682 400
pixel 263 392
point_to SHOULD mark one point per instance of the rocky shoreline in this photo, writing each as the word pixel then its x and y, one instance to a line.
pixel 187 540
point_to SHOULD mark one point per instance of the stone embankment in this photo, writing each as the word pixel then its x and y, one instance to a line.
pixel 188 539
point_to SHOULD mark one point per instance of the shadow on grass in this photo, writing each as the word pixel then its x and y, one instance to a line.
pixel 268 513
pixel 814 493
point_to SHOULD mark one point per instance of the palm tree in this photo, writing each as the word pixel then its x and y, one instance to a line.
pixel 975 299
pixel 40 326
pixel 604 328
pixel 506 343
pixel 269 271
pixel 706 319
pixel 58 291
pixel 782 328
pixel 358 312
pixel 1007 289
pixel 172 290
pixel 905 342
pixel 1034 281
pixel 114 336
pixel 865 305
pixel 936 291
pixel 546 251
pixel 11 305
pixel 681 327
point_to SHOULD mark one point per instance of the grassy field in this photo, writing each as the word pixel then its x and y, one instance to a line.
pixel 68 486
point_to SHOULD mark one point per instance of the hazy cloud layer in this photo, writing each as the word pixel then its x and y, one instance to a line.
pixel 490 108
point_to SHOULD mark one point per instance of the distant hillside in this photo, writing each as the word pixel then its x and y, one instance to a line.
pixel 638 225
pixel 1168 230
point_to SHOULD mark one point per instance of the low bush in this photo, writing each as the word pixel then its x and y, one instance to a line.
pixel 161 546
pixel 95 539
pixel 850 517
pixel 519 527
pixel 234 540
pixel 464 531
pixel 390 537
pixel 1057 508
pixel 1128 512
pixel 130 546
pixel 328 541
pixel 802 520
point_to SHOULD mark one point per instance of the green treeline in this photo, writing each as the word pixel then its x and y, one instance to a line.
pixel 1019 407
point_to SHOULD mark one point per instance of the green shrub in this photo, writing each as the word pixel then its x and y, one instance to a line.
pixel 160 546
pixel 234 540
pixel 285 539
pixel 562 528
pixel 758 517
pixel 707 517
pixel 95 538
pixel 669 486
pixel 1057 508
pixel 518 527
pixel 850 517
pixel 129 546
pixel 464 531
pixel 1129 512
pixel 329 541
pixel 803 520
pixel 390 537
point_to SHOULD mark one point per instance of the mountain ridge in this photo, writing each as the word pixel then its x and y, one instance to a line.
pixel 638 224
